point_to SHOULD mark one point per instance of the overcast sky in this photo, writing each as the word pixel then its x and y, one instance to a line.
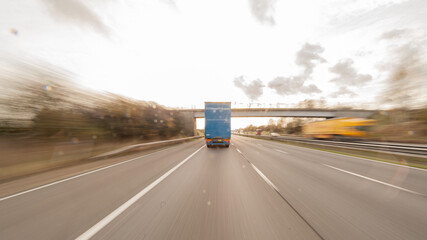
pixel 181 53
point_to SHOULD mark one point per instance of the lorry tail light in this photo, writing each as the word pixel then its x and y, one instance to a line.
pixel 208 140
pixel 227 140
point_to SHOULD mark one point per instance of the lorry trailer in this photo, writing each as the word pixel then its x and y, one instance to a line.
pixel 217 124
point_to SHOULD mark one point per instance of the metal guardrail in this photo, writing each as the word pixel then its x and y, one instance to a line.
pixel 149 144
pixel 418 150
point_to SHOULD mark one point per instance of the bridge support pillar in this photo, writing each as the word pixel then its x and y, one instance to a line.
pixel 189 123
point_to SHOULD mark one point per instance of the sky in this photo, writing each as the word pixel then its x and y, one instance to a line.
pixel 265 53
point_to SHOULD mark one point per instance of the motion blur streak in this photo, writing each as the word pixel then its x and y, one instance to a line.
pixel 76 11
pixel 46 115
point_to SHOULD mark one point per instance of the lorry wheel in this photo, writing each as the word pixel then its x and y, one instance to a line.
pixel 227 146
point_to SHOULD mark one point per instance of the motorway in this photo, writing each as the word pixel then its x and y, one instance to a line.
pixel 256 189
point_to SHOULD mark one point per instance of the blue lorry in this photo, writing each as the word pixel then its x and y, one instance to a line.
pixel 217 123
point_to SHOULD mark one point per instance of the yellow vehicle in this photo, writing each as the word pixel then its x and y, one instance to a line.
pixel 338 129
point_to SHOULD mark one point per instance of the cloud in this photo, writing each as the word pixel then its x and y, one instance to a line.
pixel 308 56
pixel 343 91
pixel 76 12
pixel 392 12
pixel 263 10
pixel 292 85
pixel 171 3
pixel 253 90
pixel 393 34
pixel 347 75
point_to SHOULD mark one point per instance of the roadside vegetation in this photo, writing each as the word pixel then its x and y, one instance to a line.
pixel 47 120
pixel 400 125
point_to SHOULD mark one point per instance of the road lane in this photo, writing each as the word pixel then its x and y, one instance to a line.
pixel 406 177
pixel 339 205
pixel 110 217
pixel 215 195
pixel 65 210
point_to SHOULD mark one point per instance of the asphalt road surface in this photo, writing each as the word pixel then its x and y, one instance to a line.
pixel 256 189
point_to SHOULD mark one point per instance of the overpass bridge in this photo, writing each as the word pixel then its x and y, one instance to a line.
pixel 190 115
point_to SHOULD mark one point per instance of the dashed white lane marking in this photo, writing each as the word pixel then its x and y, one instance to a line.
pixel 360 158
pixel 264 177
pixel 260 173
pixel 278 192
pixel 110 217
pixel 374 180
pixel 280 151
pixel 259 144
pixel 77 176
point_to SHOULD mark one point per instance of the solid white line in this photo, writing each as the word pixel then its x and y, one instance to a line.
pixel 280 151
pixel 374 180
pixel 76 176
pixel 110 217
